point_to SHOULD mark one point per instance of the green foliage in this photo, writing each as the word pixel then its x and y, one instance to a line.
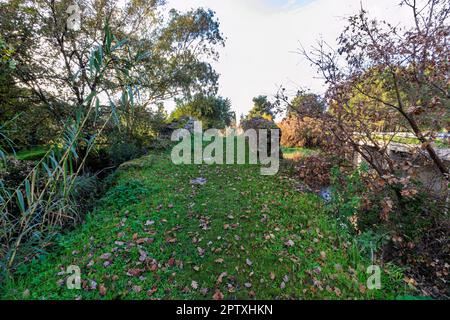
pixel 35 210
pixel 127 194
pixel 6 56
pixel 347 191
pixel 306 104
pixel 121 152
pixel 214 112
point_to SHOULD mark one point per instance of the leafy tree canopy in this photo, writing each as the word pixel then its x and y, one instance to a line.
pixel 172 51
pixel 262 107
pixel 213 111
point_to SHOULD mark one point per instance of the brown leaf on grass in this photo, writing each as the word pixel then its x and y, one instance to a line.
pixel 204 291
pixel 26 293
pixel 134 272
pixel 144 240
pixel 105 256
pixel 152 291
pixel 221 276
pixel 137 289
pixel 362 288
pixel 272 276
pixel 220 260
pixel 171 240
pixel 171 262
pixel 337 291
pixel 153 267
pixel 218 295
pixel 142 255
pixel 289 243
pixel 102 290
pixel 201 251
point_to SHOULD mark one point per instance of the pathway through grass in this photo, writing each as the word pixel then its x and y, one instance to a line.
pixel 238 236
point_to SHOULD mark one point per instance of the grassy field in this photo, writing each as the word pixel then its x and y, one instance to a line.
pixel 240 235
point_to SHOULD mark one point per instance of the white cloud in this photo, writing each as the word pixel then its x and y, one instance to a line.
pixel 262 37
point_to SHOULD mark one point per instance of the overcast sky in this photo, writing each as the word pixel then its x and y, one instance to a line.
pixel 263 35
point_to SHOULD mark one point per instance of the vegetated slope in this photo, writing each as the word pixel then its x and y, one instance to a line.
pixel 159 234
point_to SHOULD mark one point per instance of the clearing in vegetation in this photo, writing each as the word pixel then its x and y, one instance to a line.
pixel 161 232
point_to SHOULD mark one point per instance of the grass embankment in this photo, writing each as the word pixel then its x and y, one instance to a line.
pixel 240 235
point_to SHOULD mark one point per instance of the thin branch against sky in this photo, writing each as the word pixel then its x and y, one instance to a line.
pixel 262 37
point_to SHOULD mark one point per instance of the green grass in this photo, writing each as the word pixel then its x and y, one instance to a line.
pixel 440 143
pixel 32 154
pixel 228 235
pixel 290 153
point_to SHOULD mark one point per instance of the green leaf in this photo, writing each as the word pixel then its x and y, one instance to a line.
pixel 20 201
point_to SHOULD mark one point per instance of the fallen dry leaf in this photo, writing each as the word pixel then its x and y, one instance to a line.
pixel 289 243
pixel 152 291
pixel 218 295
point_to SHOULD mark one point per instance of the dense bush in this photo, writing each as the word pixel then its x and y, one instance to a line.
pixel 263 123
pixel 303 132
pixel 124 151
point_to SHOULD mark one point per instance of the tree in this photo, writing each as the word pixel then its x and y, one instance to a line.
pixel 261 107
pixel 306 104
pixel 213 111
pixel 389 71
pixel 172 51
